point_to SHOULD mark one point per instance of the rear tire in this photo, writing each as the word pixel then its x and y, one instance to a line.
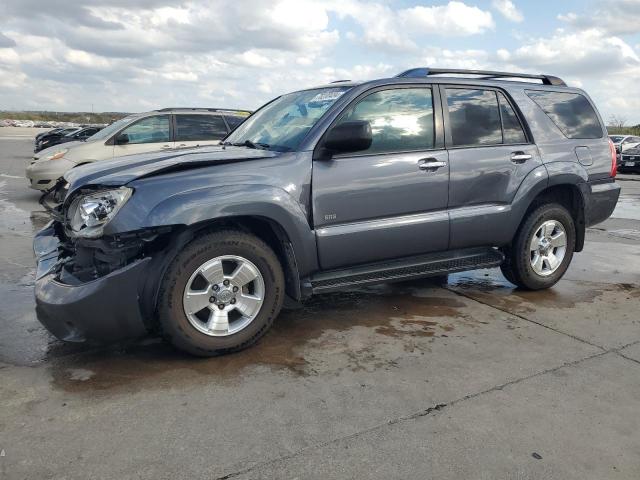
pixel 198 332
pixel 542 249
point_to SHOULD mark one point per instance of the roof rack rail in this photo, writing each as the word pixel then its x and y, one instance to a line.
pixel 198 109
pixel 340 81
pixel 485 74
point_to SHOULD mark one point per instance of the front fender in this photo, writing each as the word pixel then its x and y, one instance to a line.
pixel 220 202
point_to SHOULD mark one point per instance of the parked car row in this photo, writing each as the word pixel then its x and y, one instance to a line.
pixel 167 130
pixel 7 122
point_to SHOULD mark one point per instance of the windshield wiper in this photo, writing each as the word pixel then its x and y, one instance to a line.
pixel 249 144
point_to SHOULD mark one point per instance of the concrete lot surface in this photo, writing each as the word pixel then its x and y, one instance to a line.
pixel 468 379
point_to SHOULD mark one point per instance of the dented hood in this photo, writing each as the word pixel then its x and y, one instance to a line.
pixel 123 170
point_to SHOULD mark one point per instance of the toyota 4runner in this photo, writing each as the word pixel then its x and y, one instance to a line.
pixel 430 172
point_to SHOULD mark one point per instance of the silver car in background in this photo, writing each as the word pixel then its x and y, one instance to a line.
pixel 166 129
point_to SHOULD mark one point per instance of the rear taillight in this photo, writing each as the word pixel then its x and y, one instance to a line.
pixel 614 156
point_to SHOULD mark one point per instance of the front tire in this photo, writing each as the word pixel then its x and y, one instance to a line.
pixel 220 294
pixel 542 250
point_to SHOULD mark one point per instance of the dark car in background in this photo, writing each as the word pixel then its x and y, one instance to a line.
pixel 53 137
pixel 80 135
pixel 629 160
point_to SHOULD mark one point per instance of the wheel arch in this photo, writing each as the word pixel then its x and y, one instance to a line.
pixel 570 196
pixel 268 230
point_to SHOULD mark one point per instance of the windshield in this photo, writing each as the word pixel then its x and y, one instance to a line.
pixel 615 139
pixel 283 123
pixel 111 129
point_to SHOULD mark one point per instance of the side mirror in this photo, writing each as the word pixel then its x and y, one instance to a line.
pixel 349 137
pixel 122 139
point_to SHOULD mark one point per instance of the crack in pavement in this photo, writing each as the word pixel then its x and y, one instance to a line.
pixel 422 413
pixel 434 409
pixel 521 317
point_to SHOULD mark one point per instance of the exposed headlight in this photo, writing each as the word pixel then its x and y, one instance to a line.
pixel 58 154
pixel 88 214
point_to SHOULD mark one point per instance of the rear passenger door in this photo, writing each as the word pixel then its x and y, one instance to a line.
pixel 194 130
pixel 489 156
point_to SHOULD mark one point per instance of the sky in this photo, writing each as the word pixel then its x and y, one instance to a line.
pixel 138 55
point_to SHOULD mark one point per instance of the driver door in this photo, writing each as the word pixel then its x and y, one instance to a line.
pixel 389 201
pixel 148 134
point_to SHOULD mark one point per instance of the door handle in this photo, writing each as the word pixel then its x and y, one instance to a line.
pixel 431 164
pixel 166 147
pixel 520 157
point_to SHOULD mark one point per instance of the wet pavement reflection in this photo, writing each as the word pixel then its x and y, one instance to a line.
pixel 362 329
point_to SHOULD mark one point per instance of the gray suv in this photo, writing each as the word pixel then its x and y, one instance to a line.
pixel 324 189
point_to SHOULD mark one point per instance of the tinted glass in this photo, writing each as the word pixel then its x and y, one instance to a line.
pixel 474 117
pixel 234 121
pixel 200 127
pixel 571 112
pixel 616 139
pixel 149 130
pixel 283 123
pixel 401 119
pixel 511 129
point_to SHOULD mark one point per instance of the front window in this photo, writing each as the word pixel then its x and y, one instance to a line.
pixel 616 138
pixel 283 124
pixel 401 119
pixel 148 130
pixel 109 130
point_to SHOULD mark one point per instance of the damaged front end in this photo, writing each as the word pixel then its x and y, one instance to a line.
pixel 93 287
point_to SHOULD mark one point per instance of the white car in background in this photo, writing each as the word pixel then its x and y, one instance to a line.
pixel 166 129
pixel 624 142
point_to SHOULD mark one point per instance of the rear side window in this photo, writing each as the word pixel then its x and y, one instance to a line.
pixel 200 127
pixel 233 121
pixel 474 117
pixel 571 112
pixel 401 119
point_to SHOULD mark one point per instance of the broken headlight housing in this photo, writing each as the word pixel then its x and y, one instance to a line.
pixel 89 213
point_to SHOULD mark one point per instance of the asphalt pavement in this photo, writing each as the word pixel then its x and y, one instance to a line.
pixel 468 379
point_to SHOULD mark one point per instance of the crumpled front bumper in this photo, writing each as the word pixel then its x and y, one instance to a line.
pixel 102 310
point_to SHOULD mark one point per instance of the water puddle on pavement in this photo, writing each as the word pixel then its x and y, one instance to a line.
pixel 366 329
pixel 492 289
pixel 362 330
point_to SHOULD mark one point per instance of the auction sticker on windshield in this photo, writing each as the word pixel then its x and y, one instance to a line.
pixel 327 96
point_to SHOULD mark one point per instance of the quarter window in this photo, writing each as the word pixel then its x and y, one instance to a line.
pixel 511 128
pixel 233 121
pixel 149 130
pixel 571 112
pixel 191 128
pixel 401 119
pixel 474 117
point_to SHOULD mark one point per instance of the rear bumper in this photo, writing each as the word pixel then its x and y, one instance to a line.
pixel 102 310
pixel 600 201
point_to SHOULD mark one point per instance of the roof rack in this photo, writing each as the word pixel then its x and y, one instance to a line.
pixel 221 110
pixel 485 74
pixel 340 81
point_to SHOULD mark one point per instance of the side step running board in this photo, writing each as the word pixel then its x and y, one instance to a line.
pixel 406 268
